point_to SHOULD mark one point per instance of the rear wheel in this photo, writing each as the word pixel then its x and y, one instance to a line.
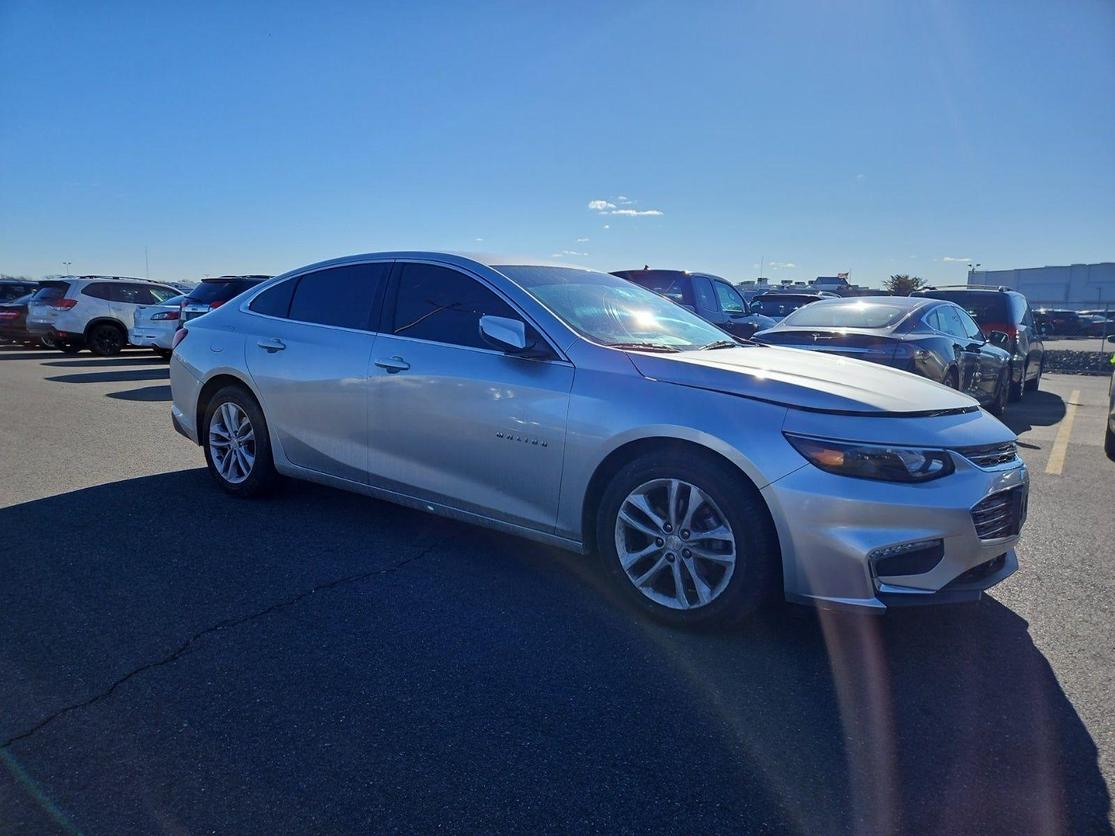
pixel 1109 444
pixel 1032 385
pixel 999 407
pixel 686 540
pixel 1017 389
pixel 107 339
pixel 47 341
pixel 237 446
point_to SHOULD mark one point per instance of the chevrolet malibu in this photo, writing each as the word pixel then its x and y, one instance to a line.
pixel 577 409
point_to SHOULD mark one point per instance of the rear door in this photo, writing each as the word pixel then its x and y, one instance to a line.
pixel 308 352
pixel 455 421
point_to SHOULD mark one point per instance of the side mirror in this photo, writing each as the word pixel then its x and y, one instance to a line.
pixel 999 338
pixel 506 334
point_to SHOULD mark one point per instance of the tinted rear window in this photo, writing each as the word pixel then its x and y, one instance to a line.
pixel 50 291
pixel 220 291
pixel 780 304
pixel 848 315
pixel 674 286
pixel 984 306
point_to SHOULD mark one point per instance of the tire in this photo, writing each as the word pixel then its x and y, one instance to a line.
pixel 1032 385
pixel 1002 395
pixel 1018 389
pixel 163 352
pixel 261 475
pixel 106 339
pixel 47 341
pixel 68 347
pixel 728 500
pixel 1109 444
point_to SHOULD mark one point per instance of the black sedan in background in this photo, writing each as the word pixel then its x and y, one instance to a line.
pixel 929 337
pixel 13 322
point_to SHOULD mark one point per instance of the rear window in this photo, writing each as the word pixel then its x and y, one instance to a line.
pixel 220 291
pixel 848 314
pixel 984 306
pixel 674 286
pixel 781 304
pixel 49 291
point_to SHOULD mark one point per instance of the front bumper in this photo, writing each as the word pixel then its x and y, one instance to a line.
pixel 834 529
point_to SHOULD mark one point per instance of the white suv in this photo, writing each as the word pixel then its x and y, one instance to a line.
pixel 91 311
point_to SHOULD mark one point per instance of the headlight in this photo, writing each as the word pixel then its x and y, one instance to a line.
pixel 871 461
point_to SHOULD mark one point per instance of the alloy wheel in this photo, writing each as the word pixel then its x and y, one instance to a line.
pixel 232 443
pixel 674 544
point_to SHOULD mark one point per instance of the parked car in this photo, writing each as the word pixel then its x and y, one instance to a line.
pixel 1095 324
pixel 776 306
pixel 710 297
pixel 155 325
pixel 929 337
pixel 584 411
pixel 1007 311
pixel 13 321
pixel 11 289
pixel 1109 436
pixel 209 294
pixel 1057 322
pixel 91 311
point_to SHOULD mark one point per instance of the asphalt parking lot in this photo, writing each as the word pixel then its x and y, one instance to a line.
pixel 178 661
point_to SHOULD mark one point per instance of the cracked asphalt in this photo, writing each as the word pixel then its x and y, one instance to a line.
pixel 178 661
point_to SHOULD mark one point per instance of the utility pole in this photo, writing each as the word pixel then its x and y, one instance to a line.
pixel 146 264
pixel 66 266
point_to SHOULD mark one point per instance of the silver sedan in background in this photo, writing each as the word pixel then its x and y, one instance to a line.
pixel 155 325
pixel 577 409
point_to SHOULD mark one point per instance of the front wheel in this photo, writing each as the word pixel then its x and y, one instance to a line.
pixel 237 446
pixel 687 540
pixel 1109 444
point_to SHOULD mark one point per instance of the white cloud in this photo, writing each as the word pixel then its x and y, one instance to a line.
pixel 582 240
pixel 859 176
pixel 781 265
pixel 951 258
pixel 565 253
pixel 478 240
pixel 606 207
pixel 607 226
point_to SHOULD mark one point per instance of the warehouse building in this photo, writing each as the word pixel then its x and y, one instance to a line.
pixel 1075 287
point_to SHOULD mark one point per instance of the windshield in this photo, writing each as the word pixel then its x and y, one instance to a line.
pixel 780 305
pixel 848 314
pixel 609 310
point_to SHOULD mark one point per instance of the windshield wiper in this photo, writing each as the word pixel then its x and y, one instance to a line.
pixel 645 347
pixel 720 344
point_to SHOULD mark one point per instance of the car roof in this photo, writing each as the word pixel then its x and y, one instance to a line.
pixel 249 277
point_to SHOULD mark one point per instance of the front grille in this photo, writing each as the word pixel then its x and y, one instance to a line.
pixel 991 455
pixel 1001 514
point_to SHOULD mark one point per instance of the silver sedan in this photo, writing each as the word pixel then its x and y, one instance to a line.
pixel 577 409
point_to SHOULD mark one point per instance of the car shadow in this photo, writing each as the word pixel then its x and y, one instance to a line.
pixel 20 353
pixel 148 394
pixel 114 376
pixel 510 676
pixel 1037 409
pixel 108 362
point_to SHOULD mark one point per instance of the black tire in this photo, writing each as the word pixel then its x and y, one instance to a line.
pixel 107 339
pixel 1002 394
pixel 1109 444
pixel 757 571
pixel 47 341
pixel 163 352
pixel 68 347
pixel 263 476
pixel 1017 389
pixel 1032 385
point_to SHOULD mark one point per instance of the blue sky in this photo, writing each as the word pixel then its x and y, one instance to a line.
pixel 872 137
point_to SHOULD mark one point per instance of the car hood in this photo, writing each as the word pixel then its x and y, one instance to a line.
pixel 804 380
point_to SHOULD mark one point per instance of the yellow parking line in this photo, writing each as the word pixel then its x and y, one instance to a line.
pixel 1061 444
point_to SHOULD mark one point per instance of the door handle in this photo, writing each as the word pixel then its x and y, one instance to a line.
pixel 393 364
pixel 271 346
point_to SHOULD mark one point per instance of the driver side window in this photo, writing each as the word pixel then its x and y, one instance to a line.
pixel 730 300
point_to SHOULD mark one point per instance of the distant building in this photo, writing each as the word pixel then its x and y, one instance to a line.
pixel 837 284
pixel 1076 286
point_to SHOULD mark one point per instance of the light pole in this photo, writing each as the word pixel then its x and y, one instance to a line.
pixel 66 264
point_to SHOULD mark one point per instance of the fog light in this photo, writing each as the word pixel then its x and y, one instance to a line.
pixel 915 558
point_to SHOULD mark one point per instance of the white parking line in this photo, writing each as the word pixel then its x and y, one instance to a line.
pixel 1061 444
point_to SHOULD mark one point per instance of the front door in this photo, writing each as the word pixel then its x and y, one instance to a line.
pixel 309 352
pixel 455 421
